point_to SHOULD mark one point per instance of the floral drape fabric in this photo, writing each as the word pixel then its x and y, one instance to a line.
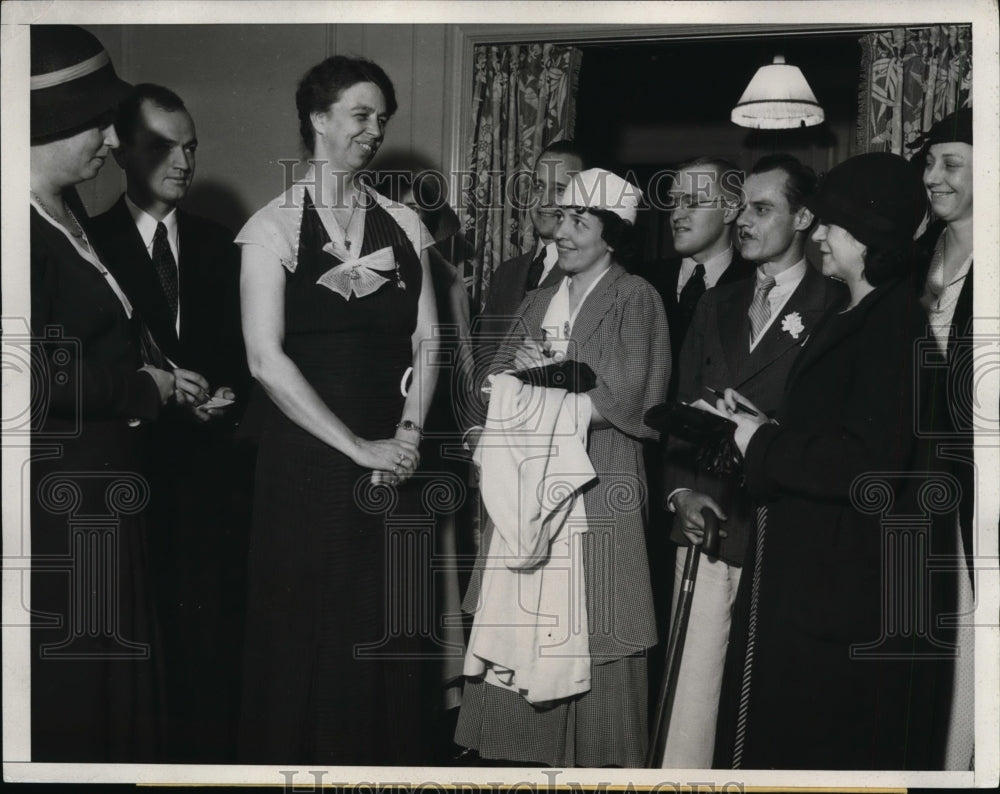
pixel 524 98
pixel 911 78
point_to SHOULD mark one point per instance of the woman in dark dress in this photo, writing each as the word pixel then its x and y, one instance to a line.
pixel 94 684
pixel 337 308
pixel 946 284
pixel 846 665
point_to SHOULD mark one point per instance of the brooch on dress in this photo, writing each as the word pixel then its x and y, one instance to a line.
pixel 360 276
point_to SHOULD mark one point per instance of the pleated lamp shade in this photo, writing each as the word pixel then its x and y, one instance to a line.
pixel 777 98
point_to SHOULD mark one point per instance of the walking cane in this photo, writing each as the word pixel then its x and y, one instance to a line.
pixel 678 631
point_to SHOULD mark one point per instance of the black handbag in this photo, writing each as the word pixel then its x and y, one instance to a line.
pixel 710 435
pixel 573 376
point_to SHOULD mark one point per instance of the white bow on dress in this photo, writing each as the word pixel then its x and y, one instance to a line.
pixel 358 276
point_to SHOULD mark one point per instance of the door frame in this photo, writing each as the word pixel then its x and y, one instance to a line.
pixel 460 41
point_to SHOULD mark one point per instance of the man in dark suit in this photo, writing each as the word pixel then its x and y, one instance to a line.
pixel 743 335
pixel 536 267
pixel 181 272
pixel 704 203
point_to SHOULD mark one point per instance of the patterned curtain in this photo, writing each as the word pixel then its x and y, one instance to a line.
pixel 911 78
pixel 524 98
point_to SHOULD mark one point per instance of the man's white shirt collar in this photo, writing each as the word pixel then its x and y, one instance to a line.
pixel 785 284
pixel 787 278
pixel 146 224
pixel 551 257
pixel 715 266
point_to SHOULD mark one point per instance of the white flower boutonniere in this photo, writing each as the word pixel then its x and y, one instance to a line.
pixel 792 323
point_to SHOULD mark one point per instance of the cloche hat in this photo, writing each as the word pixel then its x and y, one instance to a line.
pixel 73 83
pixel 878 197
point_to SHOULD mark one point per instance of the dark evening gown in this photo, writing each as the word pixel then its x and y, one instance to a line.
pixel 331 673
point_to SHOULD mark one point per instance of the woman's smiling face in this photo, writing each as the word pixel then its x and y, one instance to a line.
pixel 948 179
pixel 578 238
pixel 350 131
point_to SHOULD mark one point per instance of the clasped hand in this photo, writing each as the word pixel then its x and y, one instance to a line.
pixel 392 460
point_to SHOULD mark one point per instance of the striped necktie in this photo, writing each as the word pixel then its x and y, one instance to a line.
pixel 760 309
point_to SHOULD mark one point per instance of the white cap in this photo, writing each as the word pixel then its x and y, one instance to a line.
pixel 602 190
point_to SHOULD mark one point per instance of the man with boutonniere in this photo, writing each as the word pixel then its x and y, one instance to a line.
pixel 743 335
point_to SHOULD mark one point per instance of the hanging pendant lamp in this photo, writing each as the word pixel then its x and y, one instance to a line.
pixel 777 98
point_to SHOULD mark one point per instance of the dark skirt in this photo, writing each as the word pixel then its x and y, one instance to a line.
pixel 96 681
pixel 335 665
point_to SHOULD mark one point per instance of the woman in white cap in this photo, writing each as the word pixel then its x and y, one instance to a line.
pixel 93 687
pixel 614 322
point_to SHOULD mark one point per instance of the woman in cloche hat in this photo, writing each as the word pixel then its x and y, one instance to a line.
pixel 93 669
pixel 844 671
pixel 579 700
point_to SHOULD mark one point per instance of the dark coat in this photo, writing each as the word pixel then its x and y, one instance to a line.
pixel 95 694
pixel 211 340
pixel 202 478
pixel 842 677
pixel 663 275
pixel 507 291
pixel 952 389
pixel 717 354
pixel 508 287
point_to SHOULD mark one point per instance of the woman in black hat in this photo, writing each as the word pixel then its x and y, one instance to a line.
pixel 93 678
pixel 839 672
pixel 946 286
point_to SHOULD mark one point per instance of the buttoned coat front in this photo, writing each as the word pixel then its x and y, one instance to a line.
pixel 849 650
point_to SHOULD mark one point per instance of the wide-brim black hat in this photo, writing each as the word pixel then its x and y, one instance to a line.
pixel 954 128
pixel 878 197
pixel 73 83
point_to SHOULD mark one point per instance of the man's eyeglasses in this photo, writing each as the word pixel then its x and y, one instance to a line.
pixel 685 201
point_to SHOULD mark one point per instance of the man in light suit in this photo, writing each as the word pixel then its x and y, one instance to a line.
pixel 181 272
pixel 743 335
pixel 536 267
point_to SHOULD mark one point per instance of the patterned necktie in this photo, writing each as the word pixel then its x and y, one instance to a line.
pixel 535 271
pixel 692 291
pixel 165 266
pixel 760 309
